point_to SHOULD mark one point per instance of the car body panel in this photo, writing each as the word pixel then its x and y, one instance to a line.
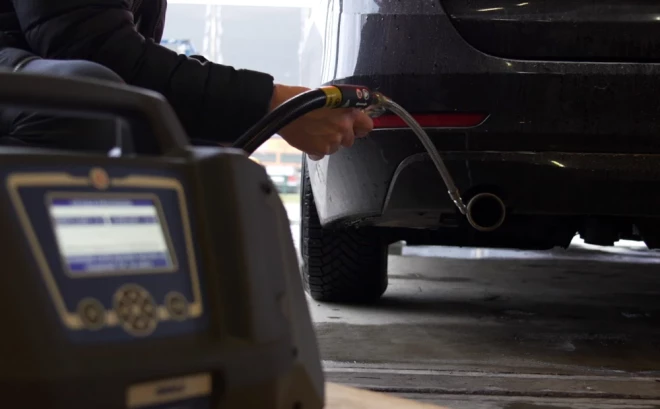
pixel 600 121
pixel 575 30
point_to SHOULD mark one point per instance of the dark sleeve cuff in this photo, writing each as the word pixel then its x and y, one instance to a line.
pixel 10 57
pixel 234 101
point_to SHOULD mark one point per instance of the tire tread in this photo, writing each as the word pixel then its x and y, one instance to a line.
pixel 348 265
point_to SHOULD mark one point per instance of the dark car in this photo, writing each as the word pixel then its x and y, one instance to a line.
pixel 547 114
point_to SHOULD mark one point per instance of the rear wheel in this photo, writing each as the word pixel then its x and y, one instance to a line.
pixel 343 265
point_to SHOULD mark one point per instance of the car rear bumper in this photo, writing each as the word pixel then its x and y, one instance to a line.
pixel 561 138
pixel 417 57
pixel 388 180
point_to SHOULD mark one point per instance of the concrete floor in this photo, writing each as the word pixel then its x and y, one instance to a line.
pixel 489 329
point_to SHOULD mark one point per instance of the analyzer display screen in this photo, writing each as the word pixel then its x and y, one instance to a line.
pixel 110 236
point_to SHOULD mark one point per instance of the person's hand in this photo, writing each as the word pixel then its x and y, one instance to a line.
pixel 324 131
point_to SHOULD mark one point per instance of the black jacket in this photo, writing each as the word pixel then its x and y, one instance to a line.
pixel 213 101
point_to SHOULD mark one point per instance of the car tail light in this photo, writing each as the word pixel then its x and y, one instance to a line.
pixel 446 120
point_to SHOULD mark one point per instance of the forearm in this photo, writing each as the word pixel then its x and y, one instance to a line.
pixel 213 101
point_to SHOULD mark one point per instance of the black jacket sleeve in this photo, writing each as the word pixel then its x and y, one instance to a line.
pixel 213 101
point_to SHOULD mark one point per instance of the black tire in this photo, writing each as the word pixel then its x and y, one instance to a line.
pixel 347 265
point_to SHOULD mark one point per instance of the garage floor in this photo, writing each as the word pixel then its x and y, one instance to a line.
pixel 486 329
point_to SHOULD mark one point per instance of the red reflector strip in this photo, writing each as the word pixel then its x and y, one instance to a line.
pixel 448 120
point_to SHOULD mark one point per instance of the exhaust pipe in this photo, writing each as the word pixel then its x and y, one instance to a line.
pixel 486 212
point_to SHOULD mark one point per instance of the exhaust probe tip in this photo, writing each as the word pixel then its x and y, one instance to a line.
pixel 486 212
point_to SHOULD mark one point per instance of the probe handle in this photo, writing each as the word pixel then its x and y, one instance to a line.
pixel 331 96
pixel 348 96
pixel 98 99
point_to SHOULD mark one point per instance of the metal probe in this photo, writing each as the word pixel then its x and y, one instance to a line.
pixel 383 104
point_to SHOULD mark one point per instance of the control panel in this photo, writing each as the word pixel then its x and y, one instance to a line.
pixel 114 248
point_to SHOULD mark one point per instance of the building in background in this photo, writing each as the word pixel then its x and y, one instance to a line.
pixel 266 39
pixel 282 162
pixel 258 38
pixel 181 46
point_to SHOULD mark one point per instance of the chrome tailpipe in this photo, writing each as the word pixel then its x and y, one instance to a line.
pixel 486 212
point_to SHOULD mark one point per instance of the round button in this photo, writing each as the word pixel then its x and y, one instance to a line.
pixel 176 305
pixel 124 312
pixel 136 310
pixel 92 313
pixel 131 295
pixel 149 310
pixel 140 324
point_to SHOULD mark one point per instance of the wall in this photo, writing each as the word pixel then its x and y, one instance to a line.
pixel 259 38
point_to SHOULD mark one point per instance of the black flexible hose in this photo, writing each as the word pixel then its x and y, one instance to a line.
pixel 279 118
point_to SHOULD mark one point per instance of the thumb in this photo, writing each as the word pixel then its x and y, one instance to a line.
pixel 363 124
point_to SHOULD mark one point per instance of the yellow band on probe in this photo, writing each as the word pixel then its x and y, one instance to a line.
pixel 333 96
